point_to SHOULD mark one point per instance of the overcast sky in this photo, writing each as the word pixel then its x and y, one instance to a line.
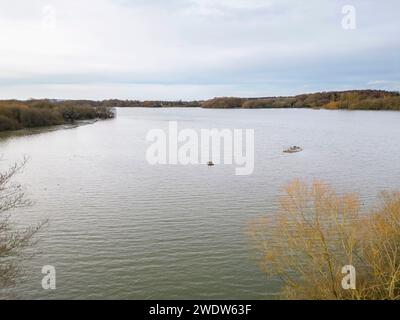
pixel 194 49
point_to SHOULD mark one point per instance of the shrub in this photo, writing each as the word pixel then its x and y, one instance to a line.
pixel 8 123
pixel 35 117
pixel 317 232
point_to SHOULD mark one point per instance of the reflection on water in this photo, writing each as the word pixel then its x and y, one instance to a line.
pixel 120 228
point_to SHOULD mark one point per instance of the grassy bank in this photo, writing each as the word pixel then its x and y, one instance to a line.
pixel 15 115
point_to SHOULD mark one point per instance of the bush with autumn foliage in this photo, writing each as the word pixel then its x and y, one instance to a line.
pixel 316 232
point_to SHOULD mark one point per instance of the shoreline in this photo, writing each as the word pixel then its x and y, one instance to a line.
pixel 81 123
pixel 45 129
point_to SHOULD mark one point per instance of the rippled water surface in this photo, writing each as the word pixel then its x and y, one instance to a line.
pixel 120 228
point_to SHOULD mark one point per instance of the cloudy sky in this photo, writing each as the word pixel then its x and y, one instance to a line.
pixel 194 49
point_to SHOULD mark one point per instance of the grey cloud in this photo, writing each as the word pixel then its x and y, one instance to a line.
pixel 242 46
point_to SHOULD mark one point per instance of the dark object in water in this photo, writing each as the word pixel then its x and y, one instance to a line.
pixel 293 149
pixel 210 164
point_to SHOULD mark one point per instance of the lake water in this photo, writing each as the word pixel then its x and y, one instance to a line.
pixel 121 228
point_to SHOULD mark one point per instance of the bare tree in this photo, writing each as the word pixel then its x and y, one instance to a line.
pixel 316 232
pixel 13 240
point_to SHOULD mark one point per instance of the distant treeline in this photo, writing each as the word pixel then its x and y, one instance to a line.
pixel 150 104
pixel 16 114
pixel 350 100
